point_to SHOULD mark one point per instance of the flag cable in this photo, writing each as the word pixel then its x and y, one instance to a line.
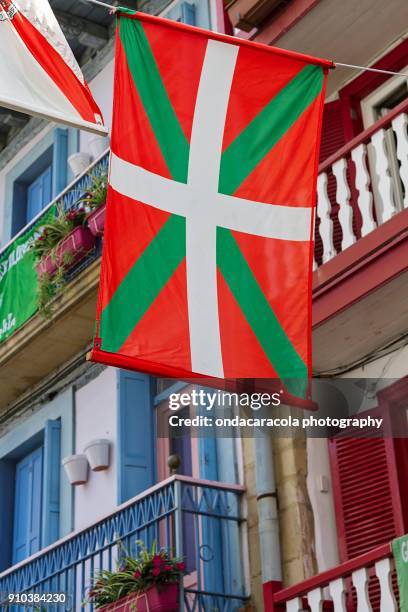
pixel 114 9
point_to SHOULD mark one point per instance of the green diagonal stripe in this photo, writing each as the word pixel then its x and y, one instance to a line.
pixel 143 283
pixel 163 120
pixel 267 128
pixel 239 277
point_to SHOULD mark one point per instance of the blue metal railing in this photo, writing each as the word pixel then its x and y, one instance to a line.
pixel 200 521
pixel 70 195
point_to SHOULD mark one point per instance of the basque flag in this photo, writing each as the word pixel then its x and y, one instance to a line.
pixel 38 71
pixel 208 247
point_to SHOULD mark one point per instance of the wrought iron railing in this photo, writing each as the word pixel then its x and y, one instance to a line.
pixel 198 520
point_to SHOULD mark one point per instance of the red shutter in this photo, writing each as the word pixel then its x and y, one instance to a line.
pixel 367 500
pixel 366 493
pixel 332 130
pixel 333 139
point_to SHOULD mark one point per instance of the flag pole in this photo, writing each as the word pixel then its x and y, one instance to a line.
pixel 367 69
pixel 104 4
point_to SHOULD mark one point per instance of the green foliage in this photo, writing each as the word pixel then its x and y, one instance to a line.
pixel 53 233
pixel 56 230
pixel 95 197
pixel 150 568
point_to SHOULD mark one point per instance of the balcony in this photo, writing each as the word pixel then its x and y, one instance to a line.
pixel 365 583
pixel 40 346
pixel 199 520
pixel 361 255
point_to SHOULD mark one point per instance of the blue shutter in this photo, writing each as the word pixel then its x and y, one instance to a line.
pixel 39 193
pixel 136 439
pixel 188 13
pixel 27 506
pixel 51 483
pixel 59 161
pixel 6 512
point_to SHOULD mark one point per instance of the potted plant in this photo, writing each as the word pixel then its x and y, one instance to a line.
pixel 62 242
pixel 94 201
pixel 149 582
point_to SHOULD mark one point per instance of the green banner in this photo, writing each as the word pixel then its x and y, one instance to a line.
pixel 18 279
pixel 400 550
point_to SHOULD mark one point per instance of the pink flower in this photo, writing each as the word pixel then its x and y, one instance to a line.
pixel 137 574
pixel 181 566
pixel 156 571
pixel 168 568
pixel 156 561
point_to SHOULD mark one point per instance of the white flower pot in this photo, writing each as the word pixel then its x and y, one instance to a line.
pixel 98 145
pixel 76 468
pixel 97 452
pixel 79 162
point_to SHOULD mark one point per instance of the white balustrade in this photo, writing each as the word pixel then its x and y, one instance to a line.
pixel 379 187
pixel 337 590
pixel 326 223
pixel 365 198
pixel 294 605
pixel 387 207
pixel 343 199
pixel 383 570
pixel 315 599
pixel 399 125
pixel 360 581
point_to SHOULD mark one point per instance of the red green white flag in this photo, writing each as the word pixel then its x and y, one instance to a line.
pixel 39 74
pixel 207 256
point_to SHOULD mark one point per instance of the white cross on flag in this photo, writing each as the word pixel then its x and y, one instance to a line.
pixel 39 74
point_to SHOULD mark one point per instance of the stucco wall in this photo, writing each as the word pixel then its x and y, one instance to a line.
pixel 95 417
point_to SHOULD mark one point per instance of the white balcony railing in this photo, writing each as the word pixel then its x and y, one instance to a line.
pixel 362 185
pixel 363 584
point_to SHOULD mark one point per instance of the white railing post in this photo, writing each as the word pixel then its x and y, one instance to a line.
pixel 337 590
pixel 365 198
pixel 399 125
pixel 315 599
pixel 294 605
pixel 383 570
pixel 326 222
pixel 343 200
pixel 360 581
pixel 382 169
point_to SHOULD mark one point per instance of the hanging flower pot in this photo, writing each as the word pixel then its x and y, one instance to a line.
pixel 79 162
pixel 97 452
pixel 76 468
pixel 96 221
pixel 158 598
pixel 68 252
pixel 98 145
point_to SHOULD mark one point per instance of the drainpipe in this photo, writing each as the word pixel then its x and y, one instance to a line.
pixel 268 522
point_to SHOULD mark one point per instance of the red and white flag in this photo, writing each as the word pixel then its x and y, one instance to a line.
pixel 38 71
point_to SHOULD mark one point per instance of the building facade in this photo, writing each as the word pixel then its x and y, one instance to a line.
pixel 264 523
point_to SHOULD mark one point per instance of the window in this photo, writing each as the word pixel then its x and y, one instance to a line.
pixel 39 177
pixel 32 191
pixel 39 193
pixel 30 495
pixel 27 505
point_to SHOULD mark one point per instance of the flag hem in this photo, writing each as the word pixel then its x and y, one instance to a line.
pixel 57 117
